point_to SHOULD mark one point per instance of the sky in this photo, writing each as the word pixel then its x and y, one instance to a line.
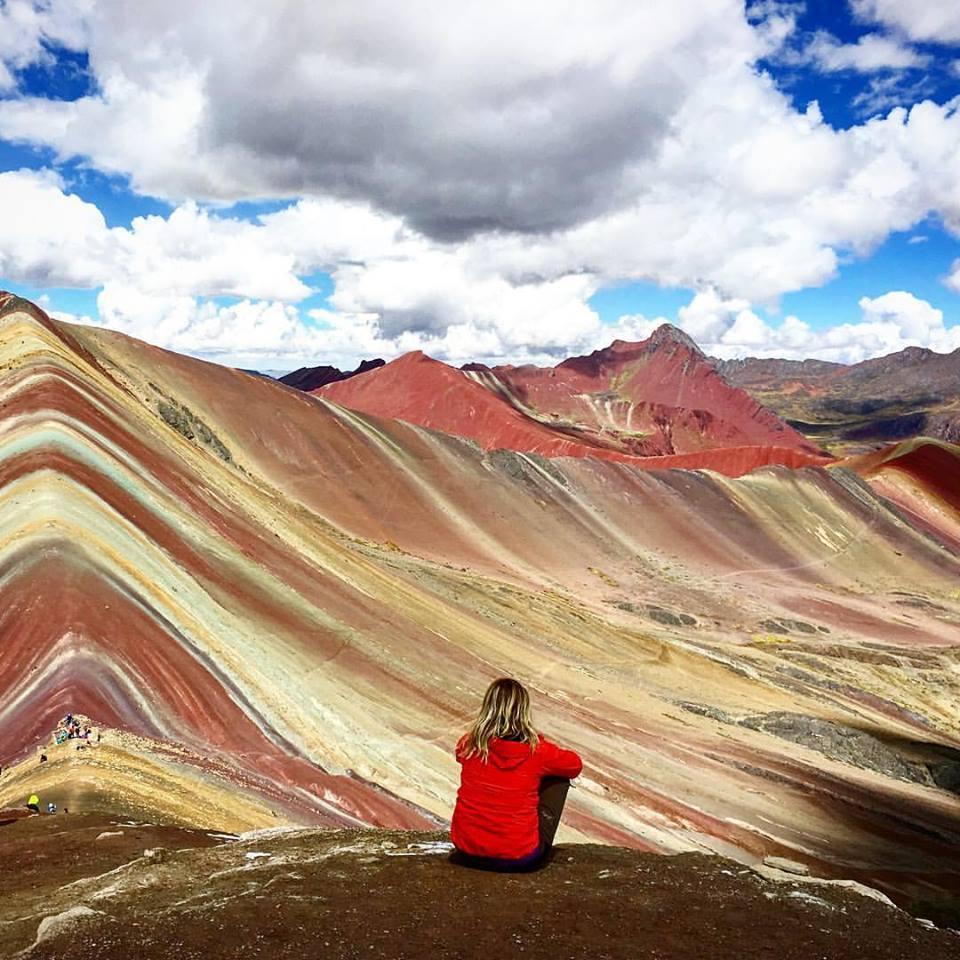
pixel 277 185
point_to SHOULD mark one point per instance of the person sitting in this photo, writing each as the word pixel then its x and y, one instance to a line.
pixel 34 803
pixel 513 784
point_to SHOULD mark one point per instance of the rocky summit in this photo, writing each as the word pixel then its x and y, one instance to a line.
pixel 92 888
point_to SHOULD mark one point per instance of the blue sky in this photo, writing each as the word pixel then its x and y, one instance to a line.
pixel 233 210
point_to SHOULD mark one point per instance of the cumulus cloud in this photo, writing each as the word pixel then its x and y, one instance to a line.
pixel 243 331
pixel 508 116
pixel 757 200
pixel 28 30
pixel 527 118
pixel 888 323
pixel 775 22
pixel 50 237
pixel 870 53
pixel 54 238
pixel 953 278
pixel 932 21
pixel 709 316
pixel 467 181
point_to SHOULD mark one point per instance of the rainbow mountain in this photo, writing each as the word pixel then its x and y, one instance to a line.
pixel 278 610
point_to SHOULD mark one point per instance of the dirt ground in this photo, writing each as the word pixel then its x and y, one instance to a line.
pixel 86 887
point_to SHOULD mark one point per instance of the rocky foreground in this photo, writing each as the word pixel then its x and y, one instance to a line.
pixel 94 887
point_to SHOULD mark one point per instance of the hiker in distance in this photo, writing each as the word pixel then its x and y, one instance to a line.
pixel 513 784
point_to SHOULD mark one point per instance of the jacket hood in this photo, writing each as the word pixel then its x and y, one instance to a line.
pixel 507 754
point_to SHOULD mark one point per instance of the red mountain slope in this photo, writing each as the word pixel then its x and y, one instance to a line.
pixel 659 396
pixel 421 390
pixel 657 404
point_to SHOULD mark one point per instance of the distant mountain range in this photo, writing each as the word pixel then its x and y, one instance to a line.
pixel 661 397
pixel 312 378
pixel 852 408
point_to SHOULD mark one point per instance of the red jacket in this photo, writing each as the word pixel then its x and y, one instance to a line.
pixel 496 811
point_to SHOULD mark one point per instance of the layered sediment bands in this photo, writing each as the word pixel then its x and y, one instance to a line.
pixel 308 625
pixel 920 477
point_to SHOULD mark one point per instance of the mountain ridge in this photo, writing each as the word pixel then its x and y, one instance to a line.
pixel 853 407
pixel 652 399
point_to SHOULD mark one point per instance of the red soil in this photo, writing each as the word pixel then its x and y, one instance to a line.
pixel 418 389
pixel 933 465
pixel 662 387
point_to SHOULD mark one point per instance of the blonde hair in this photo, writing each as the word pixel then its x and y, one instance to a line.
pixel 505 712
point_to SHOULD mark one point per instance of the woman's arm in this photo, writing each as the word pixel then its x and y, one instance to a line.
pixel 555 762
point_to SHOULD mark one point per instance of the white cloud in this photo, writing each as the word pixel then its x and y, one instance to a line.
pixel 870 53
pixel 54 238
pixel 26 28
pixel 245 331
pixel 916 319
pixel 518 116
pixel 269 334
pixel 467 181
pixel 953 279
pixel 708 315
pixel 394 289
pixel 757 200
pixel 775 22
pixel 934 21
pixel 50 238
pixel 192 252
pixel 630 327
pixel 888 323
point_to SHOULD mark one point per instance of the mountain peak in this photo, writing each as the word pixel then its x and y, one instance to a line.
pixel 313 378
pixel 667 333
pixel 414 356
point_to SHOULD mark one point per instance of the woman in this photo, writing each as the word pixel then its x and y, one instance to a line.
pixel 513 784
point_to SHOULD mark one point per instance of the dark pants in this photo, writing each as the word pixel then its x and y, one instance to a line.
pixel 553 795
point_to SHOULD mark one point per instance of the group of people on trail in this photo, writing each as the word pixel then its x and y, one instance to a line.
pixel 72 729
pixel 513 785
